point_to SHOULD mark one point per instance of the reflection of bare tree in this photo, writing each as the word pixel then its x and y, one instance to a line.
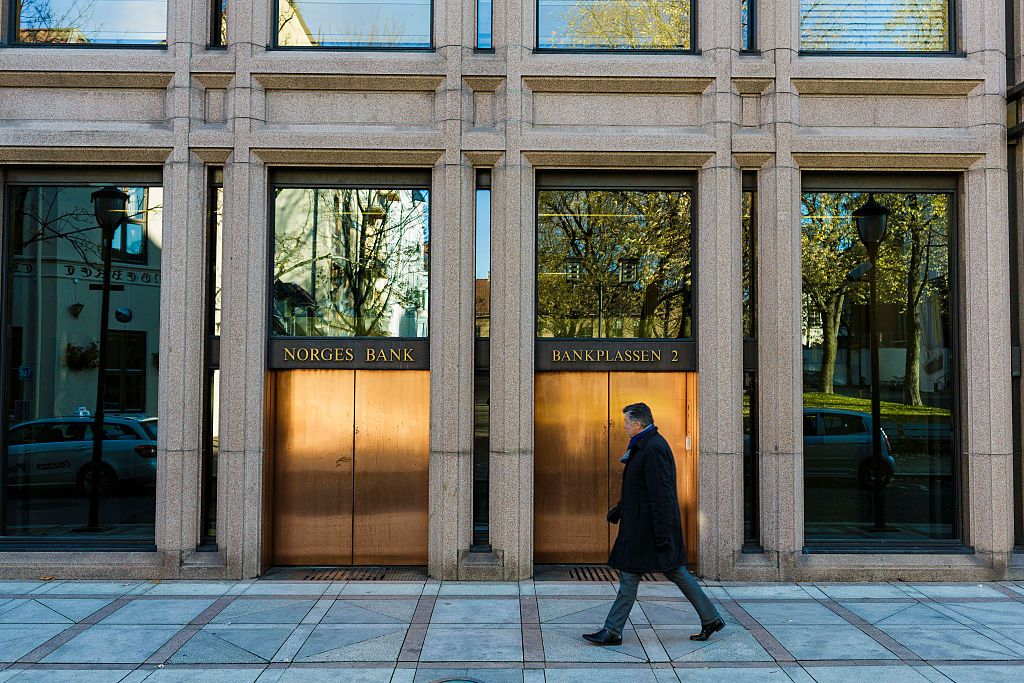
pixel 634 24
pixel 54 216
pixel 40 24
pixel 613 263
pixel 368 257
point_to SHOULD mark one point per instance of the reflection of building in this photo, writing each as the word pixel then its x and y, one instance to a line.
pixel 734 123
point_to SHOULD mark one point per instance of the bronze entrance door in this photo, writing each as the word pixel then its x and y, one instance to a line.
pixel 578 440
pixel 350 454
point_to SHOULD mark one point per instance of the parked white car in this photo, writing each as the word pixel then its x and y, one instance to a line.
pixel 57 452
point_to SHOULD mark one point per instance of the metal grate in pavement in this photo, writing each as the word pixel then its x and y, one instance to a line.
pixel 346 574
pixel 580 572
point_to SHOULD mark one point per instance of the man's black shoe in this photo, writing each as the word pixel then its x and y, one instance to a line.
pixel 603 637
pixel 707 629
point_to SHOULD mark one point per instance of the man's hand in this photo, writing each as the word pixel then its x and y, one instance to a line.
pixel 614 515
pixel 662 545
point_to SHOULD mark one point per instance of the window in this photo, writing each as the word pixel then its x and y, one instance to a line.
pixel 917 364
pixel 53 293
pixel 350 262
pixel 129 242
pixel 873 26
pixel 748 25
pixel 482 366
pixel 219 23
pixel 402 24
pixel 484 20
pixel 751 458
pixel 615 25
pixel 126 371
pixel 614 263
pixel 91 22
pixel 211 408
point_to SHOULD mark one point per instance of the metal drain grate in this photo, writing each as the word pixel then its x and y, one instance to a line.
pixel 345 574
pixel 581 572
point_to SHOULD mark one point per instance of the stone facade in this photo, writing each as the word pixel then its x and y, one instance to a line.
pixel 247 109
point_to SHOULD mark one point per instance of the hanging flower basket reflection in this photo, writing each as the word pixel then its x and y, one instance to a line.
pixel 80 357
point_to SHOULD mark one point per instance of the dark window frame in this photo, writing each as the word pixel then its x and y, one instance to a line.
pixel 275 35
pixel 124 336
pixel 646 180
pixel 390 178
pixel 952 28
pixel 14 23
pixel 895 183
pixel 692 50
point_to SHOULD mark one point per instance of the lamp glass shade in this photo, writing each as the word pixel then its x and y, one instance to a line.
pixel 872 219
pixel 109 207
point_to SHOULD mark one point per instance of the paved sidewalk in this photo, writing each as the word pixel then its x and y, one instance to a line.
pixel 270 631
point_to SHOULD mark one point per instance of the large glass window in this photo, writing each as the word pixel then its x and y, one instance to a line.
pixel 383 24
pixel 53 283
pixel 94 22
pixel 350 262
pixel 211 416
pixel 614 263
pixel 615 24
pixel 917 373
pixel 876 25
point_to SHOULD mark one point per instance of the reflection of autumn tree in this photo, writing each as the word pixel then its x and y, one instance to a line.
pixel 912 25
pixel 912 263
pixel 617 257
pixel 627 24
pixel 918 254
pixel 367 258
pixel 382 30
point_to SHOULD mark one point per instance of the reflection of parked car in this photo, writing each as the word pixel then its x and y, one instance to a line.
pixel 837 443
pixel 57 451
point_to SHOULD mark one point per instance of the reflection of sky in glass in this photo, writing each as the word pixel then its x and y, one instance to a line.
pixel 484 15
pixel 564 24
pixel 483 234
pixel 874 25
pixel 94 21
pixel 354 23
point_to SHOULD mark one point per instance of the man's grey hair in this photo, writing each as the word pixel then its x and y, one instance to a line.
pixel 639 412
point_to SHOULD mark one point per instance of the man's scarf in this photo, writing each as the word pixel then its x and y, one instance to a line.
pixel 633 439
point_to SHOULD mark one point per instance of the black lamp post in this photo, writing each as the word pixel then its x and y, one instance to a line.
pixel 872 218
pixel 109 206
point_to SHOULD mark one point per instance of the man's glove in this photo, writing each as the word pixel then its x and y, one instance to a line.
pixel 614 515
pixel 662 545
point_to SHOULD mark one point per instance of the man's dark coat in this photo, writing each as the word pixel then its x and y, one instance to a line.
pixel 650 529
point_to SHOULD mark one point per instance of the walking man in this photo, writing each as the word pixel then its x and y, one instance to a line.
pixel 651 534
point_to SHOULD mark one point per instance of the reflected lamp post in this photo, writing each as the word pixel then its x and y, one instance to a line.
pixel 109 206
pixel 872 219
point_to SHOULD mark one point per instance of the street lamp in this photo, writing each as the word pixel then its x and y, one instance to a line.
pixel 872 219
pixel 109 206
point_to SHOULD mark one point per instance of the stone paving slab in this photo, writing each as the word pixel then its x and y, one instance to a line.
pixel 529 632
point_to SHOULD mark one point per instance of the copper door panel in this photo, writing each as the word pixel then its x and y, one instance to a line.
pixel 689 470
pixel 571 467
pixel 313 422
pixel 670 399
pixel 391 466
